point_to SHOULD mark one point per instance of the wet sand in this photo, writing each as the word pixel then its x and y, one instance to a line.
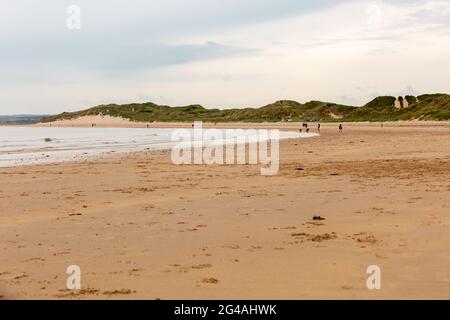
pixel 140 227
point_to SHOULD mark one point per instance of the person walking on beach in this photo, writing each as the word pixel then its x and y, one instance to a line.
pixel 318 127
pixel 340 128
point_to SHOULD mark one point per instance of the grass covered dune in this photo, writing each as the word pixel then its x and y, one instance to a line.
pixel 424 107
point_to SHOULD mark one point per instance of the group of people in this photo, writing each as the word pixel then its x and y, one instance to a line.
pixel 305 126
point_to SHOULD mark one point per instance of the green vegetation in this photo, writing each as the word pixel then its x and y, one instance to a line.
pixel 411 99
pixel 425 107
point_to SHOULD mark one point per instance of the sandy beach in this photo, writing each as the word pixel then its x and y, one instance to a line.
pixel 141 227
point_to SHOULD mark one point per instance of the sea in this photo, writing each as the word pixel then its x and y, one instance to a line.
pixel 28 145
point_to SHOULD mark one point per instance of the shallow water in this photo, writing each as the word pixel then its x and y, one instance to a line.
pixel 34 145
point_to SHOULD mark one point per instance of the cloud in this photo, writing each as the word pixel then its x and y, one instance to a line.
pixel 223 53
pixel 106 57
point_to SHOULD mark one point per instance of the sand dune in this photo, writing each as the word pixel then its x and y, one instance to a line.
pixel 88 121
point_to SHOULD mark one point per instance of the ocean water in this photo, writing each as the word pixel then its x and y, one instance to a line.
pixel 38 145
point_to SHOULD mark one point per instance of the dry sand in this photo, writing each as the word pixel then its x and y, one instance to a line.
pixel 141 227
pixel 118 122
pixel 88 121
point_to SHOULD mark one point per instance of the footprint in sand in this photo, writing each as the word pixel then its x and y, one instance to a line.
pixel 346 287
pixel 311 224
pixel 119 292
pixel 185 269
pixel 135 271
pixel 202 266
pixel 67 293
pixel 283 228
pixel 314 237
pixel 210 281
pixel 234 247
pixel 365 238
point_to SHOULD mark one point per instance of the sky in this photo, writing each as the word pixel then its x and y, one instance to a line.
pixel 59 55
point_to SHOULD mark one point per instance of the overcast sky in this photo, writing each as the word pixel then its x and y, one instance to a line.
pixel 219 53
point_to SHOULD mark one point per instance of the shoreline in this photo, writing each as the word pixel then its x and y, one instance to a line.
pixel 81 144
pixel 117 122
